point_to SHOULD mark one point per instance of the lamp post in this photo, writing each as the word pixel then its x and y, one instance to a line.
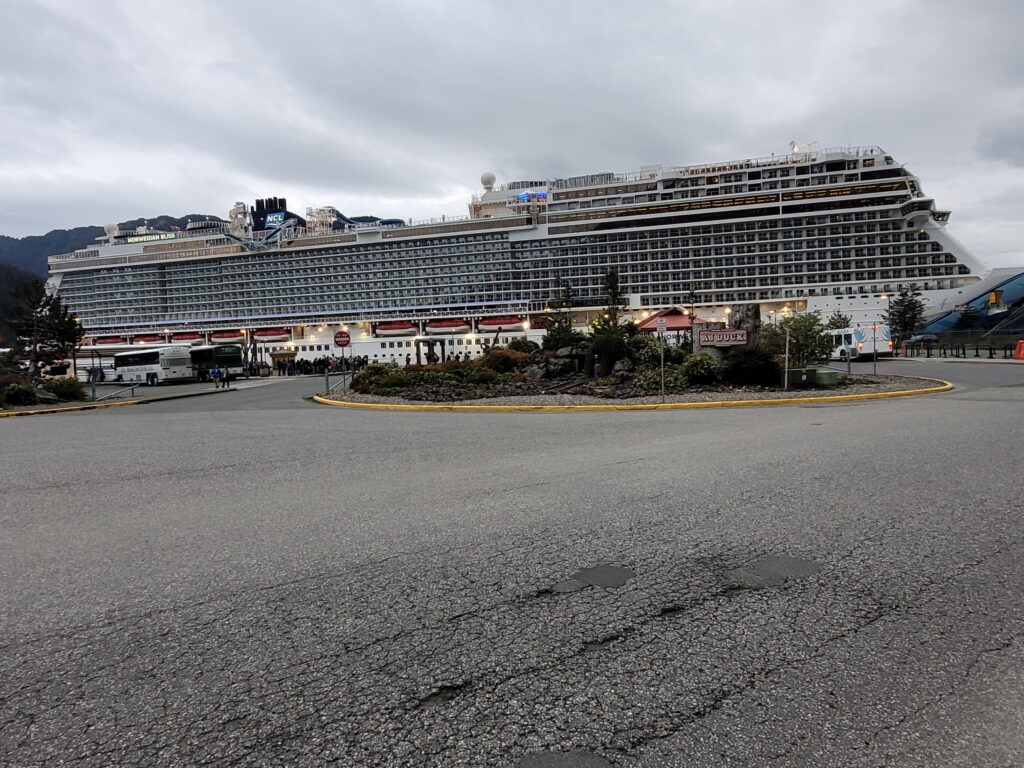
pixel 874 349
pixel 74 350
pixel 888 318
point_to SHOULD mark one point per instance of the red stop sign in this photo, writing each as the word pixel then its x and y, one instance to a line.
pixel 342 339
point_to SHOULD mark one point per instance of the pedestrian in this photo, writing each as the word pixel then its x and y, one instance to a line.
pixel 215 374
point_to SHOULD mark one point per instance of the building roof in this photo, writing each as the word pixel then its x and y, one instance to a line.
pixel 675 320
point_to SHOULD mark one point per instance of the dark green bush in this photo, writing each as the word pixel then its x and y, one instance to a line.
pixel 367 379
pixel 701 369
pixel 608 345
pixel 66 388
pixel 649 380
pixel 520 344
pixel 504 360
pixel 423 377
pixel 20 394
pixel 751 367
pixel 645 351
pixel 480 375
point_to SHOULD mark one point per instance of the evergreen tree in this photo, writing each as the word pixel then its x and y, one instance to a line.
pixel 43 328
pixel 561 333
pixel 906 311
pixel 968 320
pixel 808 343
pixel 614 293
pixel 838 320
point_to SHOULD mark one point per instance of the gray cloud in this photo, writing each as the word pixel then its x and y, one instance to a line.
pixel 112 110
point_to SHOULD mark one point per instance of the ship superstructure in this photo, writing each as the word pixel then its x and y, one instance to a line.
pixel 832 227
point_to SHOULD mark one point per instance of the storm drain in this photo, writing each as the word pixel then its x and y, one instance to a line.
pixel 771 571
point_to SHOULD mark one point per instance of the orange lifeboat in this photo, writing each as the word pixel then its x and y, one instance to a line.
pixel 504 323
pixel 396 328
pixel 448 327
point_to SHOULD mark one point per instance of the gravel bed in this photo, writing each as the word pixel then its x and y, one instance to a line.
pixel 859 384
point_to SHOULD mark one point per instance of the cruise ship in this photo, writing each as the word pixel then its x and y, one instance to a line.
pixel 805 230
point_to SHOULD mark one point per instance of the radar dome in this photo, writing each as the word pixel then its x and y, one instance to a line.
pixel 488 181
pixel 112 230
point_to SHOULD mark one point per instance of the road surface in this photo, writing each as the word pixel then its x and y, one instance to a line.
pixel 250 579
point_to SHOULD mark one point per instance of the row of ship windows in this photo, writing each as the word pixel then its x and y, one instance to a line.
pixel 499 241
pixel 222 270
pixel 699 190
pixel 541 293
pixel 722 257
pixel 633 281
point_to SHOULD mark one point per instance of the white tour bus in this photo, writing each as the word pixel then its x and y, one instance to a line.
pixel 153 366
pixel 862 341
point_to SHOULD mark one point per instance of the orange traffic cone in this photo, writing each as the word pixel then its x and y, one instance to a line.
pixel 1018 353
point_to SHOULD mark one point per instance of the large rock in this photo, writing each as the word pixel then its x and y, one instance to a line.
pixel 622 366
pixel 534 372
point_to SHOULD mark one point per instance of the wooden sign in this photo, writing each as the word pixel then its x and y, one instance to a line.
pixel 723 338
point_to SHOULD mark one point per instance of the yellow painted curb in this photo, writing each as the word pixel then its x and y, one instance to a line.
pixel 88 407
pixel 944 386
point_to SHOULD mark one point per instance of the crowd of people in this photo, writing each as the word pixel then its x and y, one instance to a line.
pixel 320 365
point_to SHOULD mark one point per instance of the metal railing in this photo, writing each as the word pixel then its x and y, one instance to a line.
pixel 112 394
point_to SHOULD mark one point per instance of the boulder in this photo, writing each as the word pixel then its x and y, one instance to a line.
pixel 534 372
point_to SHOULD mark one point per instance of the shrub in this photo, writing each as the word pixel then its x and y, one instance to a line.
pixel 608 346
pixel 10 378
pixel 66 388
pixel 20 394
pixel 702 369
pixel 561 334
pixel 519 344
pixel 420 377
pixel 480 375
pixel 645 351
pixel 650 380
pixel 504 360
pixel 367 379
pixel 751 366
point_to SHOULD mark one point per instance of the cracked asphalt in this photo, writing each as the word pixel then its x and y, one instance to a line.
pixel 252 580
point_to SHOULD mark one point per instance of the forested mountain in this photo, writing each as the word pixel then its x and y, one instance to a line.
pixel 30 253
pixel 10 278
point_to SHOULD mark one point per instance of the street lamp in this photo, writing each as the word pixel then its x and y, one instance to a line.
pixel 888 318
pixel 74 349
pixel 728 317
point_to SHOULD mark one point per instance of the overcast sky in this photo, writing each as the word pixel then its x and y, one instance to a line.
pixel 114 110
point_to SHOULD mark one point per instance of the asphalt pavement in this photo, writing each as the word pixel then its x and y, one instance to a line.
pixel 251 579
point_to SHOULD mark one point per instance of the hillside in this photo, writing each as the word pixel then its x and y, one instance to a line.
pixel 30 253
pixel 10 278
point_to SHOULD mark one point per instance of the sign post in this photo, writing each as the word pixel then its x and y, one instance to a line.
pixel 342 339
pixel 661 335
